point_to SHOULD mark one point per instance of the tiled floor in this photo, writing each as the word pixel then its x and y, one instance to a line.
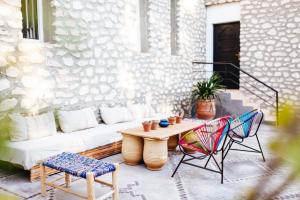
pixel 242 172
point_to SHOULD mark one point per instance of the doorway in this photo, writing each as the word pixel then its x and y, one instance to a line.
pixel 227 50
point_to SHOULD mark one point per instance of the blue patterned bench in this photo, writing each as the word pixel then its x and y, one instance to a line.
pixel 80 166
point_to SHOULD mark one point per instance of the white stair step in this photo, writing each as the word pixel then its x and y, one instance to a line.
pixel 249 100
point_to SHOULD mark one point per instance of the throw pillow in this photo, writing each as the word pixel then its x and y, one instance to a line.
pixel 18 131
pixel 115 115
pixel 140 111
pixel 40 125
pixel 75 120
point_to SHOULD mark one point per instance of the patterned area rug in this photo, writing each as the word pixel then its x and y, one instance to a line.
pixel 242 171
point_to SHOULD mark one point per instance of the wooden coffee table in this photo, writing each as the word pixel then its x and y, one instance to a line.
pixel 152 147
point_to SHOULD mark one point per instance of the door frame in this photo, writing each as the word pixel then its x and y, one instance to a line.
pixel 218 14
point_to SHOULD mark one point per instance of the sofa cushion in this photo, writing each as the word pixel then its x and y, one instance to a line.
pixel 41 125
pixel 76 120
pixel 32 127
pixel 115 115
pixel 18 131
pixel 140 111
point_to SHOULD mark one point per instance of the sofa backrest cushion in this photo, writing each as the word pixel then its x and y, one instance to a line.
pixel 115 115
pixel 75 120
pixel 18 131
pixel 41 125
pixel 140 111
pixel 32 127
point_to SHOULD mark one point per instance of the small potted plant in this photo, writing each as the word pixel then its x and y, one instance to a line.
pixel 147 126
pixel 172 120
pixel 178 119
pixel 204 94
pixel 154 125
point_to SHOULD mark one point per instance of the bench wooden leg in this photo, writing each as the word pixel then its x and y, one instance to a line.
pixel 115 182
pixel 68 180
pixel 90 186
pixel 43 179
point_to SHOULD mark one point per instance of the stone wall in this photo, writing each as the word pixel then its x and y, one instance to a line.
pixel 270 38
pixel 10 25
pixel 94 58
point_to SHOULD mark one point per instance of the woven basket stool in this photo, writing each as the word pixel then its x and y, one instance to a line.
pixel 76 165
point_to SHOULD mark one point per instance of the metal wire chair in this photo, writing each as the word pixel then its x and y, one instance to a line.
pixel 243 127
pixel 207 140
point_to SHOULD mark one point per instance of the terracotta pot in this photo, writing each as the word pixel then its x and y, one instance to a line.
pixel 178 119
pixel 132 149
pixel 154 125
pixel 206 109
pixel 173 143
pixel 155 153
pixel 147 126
pixel 172 120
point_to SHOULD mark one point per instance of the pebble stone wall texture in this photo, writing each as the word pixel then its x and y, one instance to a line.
pixel 270 36
pixel 270 44
pixel 10 25
pixel 93 59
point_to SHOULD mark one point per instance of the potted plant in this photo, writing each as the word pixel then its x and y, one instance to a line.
pixel 204 95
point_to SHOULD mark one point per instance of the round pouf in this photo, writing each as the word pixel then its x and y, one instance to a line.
pixel 155 153
pixel 132 149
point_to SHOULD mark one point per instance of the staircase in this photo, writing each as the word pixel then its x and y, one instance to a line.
pixel 235 103
pixel 253 93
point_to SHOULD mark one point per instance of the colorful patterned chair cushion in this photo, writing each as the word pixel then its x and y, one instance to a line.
pixel 78 165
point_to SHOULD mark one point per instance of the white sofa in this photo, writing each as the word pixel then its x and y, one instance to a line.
pixel 76 138
pixel 28 153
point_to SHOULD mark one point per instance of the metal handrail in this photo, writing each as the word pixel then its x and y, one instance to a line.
pixel 232 81
pixel 251 76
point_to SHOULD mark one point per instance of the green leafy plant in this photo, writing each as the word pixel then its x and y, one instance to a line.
pixel 5 127
pixel 206 90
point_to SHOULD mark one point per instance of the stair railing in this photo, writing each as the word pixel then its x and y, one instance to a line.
pixel 263 95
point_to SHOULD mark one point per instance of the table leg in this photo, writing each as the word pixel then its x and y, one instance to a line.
pixel 155 153
pixel 90 180
pixel 43 180
pixel 173 142
pixel 68 180
pixel 132 149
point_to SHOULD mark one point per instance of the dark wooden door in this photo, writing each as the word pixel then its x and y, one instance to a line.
pixel 227 49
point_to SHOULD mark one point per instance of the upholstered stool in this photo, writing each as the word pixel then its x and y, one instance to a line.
pixel 76 165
